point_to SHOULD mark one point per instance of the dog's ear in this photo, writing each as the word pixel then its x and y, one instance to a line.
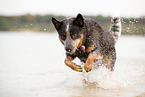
pixel 79 20
pixel 56 23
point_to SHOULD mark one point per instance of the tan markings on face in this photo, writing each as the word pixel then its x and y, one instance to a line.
pixel 77 43
pixel 61 40
pixel 81 40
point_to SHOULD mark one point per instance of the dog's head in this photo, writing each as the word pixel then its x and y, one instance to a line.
pixel 70 32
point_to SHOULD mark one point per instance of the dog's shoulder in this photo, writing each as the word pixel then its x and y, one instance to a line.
pixel 97 35
pixel 93 26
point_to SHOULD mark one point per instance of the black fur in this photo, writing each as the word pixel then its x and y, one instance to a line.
pixel 93 34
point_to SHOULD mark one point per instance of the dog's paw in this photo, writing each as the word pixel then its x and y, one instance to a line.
pixel 88 67
pixel 77 68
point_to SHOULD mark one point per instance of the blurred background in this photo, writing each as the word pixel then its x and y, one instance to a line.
pixel 32 57
pixel 35 16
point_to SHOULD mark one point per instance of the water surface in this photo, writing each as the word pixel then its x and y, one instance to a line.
pixel 32 65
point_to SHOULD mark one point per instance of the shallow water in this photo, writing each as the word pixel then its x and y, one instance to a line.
pixel 32 65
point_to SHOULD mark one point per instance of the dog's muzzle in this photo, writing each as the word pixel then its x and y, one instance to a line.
pixel 68 49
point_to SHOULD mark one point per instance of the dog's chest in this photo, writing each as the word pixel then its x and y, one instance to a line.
pixel 82 55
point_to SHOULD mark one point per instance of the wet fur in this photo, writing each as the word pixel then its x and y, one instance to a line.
pixel 75 32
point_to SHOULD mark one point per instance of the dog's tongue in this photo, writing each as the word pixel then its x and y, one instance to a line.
pixel 82 48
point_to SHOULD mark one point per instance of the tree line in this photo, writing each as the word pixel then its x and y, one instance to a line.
pixel 39 23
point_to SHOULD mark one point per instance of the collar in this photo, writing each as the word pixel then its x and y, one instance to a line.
pixel 82 48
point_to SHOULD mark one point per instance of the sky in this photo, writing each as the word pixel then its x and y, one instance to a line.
pixel 126 8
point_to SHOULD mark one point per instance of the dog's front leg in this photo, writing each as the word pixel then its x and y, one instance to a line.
pixel 89 62
pixel 72 65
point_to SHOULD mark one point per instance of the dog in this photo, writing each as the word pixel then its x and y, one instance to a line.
pixel 86 39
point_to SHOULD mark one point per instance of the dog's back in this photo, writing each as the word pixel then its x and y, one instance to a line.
pixel 104 40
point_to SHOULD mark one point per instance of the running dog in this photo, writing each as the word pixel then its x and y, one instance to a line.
pixel 86 39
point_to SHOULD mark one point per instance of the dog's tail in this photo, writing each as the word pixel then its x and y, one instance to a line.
pixel 115 28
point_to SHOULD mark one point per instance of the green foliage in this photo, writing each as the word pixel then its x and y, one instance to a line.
pixel 38 23
pixel 3 24
pixel 133 26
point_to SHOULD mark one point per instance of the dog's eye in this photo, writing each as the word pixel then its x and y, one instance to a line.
pixel 73 34
pixel 63 36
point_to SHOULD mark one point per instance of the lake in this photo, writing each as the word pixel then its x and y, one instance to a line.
pixel 32 65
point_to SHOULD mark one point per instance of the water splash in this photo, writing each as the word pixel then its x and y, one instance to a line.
pixel 135 25
pixel 124 75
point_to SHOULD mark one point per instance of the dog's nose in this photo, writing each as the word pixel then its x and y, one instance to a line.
pixel 68 49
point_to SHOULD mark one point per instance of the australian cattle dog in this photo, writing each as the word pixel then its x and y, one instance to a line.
pixel 86 39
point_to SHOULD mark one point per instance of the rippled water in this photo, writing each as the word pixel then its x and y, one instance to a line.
pixel 32 65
